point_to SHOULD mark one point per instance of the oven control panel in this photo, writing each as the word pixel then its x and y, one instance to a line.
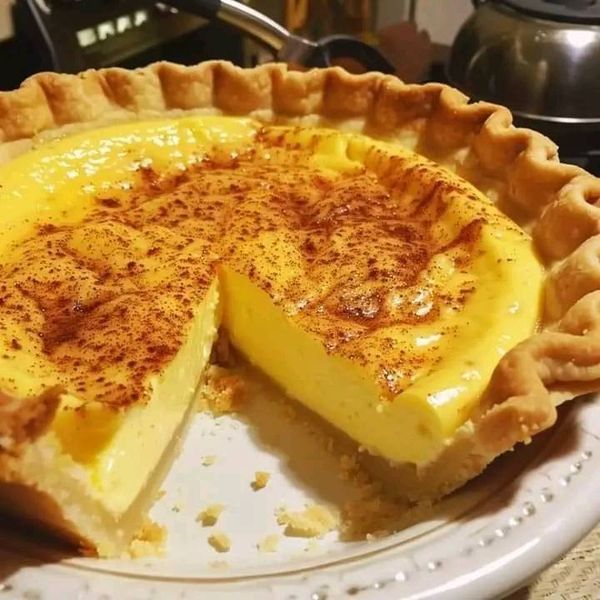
pixel 74 35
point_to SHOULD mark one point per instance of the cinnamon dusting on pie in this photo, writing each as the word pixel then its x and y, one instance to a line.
pixel 25 419
pixel 108 298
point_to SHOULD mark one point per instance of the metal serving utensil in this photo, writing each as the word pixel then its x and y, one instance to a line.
pixel 286 46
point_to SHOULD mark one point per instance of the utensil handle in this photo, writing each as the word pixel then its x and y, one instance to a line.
pixel 240 16
pixel 254 23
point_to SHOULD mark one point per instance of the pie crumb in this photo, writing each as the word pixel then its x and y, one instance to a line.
pixel 223 392
pixel 209 460
pixel 149 541
pixel 210 515
pixel 222 353
pixel 314 521
pixel 351 470
pixel 375 512
pixel 219 564
pixel 219 541
pixel 261 479
pixel 268 543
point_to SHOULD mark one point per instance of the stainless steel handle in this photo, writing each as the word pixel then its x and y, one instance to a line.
pixel 285 45
pixel 254 23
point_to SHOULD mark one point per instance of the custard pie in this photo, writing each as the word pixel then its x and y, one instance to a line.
pixel 411 267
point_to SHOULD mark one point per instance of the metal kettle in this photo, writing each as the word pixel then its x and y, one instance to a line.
pixel 541 58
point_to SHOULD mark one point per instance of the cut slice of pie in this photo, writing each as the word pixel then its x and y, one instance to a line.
pixel 399 299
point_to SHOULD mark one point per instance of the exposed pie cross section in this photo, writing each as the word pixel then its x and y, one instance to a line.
pixel 374 286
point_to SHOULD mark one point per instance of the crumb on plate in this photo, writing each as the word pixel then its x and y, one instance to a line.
pixel 210 515
pixel 261 479
pixel 219 541
pixel 314 521
pixel 268 543
pixel 149 540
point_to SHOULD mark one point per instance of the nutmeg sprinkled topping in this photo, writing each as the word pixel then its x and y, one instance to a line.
pixel 352 256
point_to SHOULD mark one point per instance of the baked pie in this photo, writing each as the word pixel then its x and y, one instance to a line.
pixel 411 267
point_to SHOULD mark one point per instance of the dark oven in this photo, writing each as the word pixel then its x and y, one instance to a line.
pixel 72 35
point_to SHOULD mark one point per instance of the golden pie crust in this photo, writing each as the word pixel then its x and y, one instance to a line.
pixel 516 168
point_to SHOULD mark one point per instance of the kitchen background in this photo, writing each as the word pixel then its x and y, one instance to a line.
pixel 132 33
pixel 538 57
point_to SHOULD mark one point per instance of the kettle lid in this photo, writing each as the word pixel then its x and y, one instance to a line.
pixel 571 11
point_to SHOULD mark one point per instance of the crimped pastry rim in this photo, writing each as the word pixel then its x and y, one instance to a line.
pixel 516 167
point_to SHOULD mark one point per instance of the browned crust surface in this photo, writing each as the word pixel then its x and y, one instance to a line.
pixel 517 168
pixel 25 419
pixel 33 507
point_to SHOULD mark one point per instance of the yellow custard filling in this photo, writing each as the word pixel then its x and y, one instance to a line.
pixel 375 287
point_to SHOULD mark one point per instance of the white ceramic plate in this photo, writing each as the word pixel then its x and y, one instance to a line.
pixel 483 542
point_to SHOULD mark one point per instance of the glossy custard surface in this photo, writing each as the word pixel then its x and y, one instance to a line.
pixel 374 286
